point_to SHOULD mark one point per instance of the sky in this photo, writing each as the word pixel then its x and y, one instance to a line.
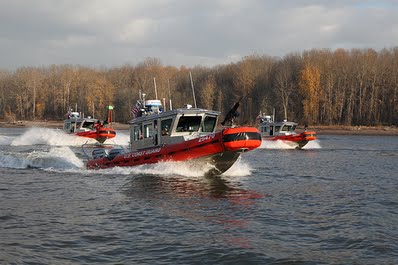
pixel 99 33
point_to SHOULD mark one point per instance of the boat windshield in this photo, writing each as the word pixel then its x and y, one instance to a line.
pixel 209 123
pixel 288 128
pixel 189 124
pixel 88 125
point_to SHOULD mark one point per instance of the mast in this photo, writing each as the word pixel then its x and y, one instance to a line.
pixel 273 115
pixel 193 90
pixel 171 106
pixel 156 92
pixel 110 110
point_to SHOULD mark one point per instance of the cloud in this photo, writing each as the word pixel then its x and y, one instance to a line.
pixel 138 31
pixel 209 32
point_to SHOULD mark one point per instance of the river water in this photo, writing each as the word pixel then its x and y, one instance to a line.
pixel 335 202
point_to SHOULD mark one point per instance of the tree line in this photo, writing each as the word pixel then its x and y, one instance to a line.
pixel 318 87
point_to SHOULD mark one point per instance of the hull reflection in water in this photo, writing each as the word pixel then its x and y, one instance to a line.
pixel 198 200
pixel 208 187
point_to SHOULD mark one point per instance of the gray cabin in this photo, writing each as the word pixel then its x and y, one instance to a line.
pixel 173 126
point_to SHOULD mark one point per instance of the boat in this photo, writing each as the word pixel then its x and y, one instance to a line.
pixel 284 131
pixel 89 127
pixel 184 134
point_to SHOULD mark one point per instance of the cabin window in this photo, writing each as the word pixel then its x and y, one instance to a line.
pixel 209 123
pixel 166 125
pixel 189 124
pixel 288 128
pixel 148 130
pixel 264 129
pixel 88 125
pixel 73 125
pixel 277 128
pixel 137 132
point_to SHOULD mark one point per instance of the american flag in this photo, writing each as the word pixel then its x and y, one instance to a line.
pixel 136 110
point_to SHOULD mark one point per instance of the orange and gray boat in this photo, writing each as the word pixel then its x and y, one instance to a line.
pixel 185 134
pixel 89 127
pixel 284 131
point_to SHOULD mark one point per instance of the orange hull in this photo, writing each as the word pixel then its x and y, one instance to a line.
pixel 222 149
pixel 244 137
pixel 301 139
pixel 101 134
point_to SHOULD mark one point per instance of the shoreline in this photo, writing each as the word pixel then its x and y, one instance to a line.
pixel 320 129
pixel 355 130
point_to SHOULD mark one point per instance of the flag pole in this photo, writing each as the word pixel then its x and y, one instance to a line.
pixel 156 91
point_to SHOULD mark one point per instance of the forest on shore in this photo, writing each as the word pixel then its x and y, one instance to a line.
pixel 317 87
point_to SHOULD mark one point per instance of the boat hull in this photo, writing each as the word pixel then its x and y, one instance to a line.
pixel 101 135
pixel 220 149
pixel 298 140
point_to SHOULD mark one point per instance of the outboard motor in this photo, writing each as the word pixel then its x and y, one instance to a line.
pixel 115 152
pixel 99 153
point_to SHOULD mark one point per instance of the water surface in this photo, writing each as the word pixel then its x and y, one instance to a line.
pixel 334 202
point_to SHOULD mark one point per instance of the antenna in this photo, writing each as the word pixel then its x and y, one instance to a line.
pixel 193 90
pixel 156 92
pixel 171 106
pixel 110 118
pixel 273 115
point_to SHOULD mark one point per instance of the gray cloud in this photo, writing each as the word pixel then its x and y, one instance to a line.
pixel 209 32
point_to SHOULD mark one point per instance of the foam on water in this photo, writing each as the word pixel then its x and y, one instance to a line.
pixel 275 145
pixel 239 169
pixel 46 136
pixel 313 145
pixel 56 137
pixel 279 144
pixel 5 140
pixel 187 169
pixel 57 157
pixel 11 161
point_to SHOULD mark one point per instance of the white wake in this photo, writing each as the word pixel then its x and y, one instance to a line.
pixel 55 158
pixel 56 137
pixel 279 144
